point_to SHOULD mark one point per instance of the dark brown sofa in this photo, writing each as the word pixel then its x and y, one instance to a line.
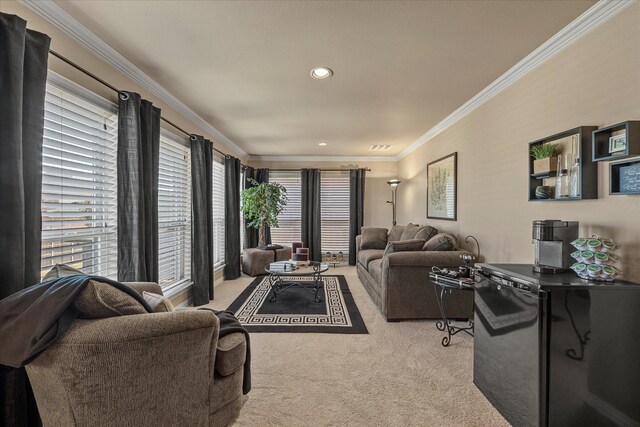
pixel 399 283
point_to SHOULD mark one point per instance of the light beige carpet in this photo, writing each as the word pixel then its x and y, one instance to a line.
pixel 397 375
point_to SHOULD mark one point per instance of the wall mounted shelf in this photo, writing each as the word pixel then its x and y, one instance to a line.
pixel 600 141
pixel 588 178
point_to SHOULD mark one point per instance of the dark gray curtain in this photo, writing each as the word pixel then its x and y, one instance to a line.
pixel 202 219
pixel 311 237
pixel 356 209
pixel 262 175
pixel 232 217
pixel 138 165
pixel 251 234
pixel 23 76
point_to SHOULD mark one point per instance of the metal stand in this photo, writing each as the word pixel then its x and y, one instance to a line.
pixel 447 285
pixel 278 286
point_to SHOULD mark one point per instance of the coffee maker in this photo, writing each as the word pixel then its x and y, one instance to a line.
pixel 552 242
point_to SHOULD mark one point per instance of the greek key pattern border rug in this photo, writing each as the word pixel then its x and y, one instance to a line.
pixel 295 310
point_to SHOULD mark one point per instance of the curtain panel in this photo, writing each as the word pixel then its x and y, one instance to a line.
pixel 23 79
pixel 311 219
pixel 202 219
pixel 138 167
pixel 232 218
pixel 251 234
pixel 356 209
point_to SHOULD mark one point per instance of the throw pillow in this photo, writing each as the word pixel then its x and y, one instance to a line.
pixel 61 270
pixel 100 300
pixel 409 232
pixel 441 242
pixel 426 232
pixel 373 238
pixel 395 233
pixel 158 303
pixel 403 246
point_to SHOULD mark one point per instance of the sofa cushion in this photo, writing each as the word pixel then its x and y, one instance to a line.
pixel 99 300
pixel 61 270
pixel 395 233
pixel 441 242
pixel 409 232
pixel 231 353
pixel 404 246
pixel 158 303
pixel 375 270
pixel 425 233
pixel 368 255
pixel 373 238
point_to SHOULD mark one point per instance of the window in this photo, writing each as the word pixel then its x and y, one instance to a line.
pixel 218 214
pixel 79 181
pixel 334 209
pixel 174 211
pixel 289 223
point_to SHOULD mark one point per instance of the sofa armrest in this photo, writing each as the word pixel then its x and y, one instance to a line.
pixel 424 259
pixel 358 243
pixel 139 287
pixel 118 369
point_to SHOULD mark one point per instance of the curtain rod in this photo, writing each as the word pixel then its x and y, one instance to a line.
pixel 322 170
pixel 115 89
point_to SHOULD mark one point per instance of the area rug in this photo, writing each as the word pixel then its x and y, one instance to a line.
pixel 295 310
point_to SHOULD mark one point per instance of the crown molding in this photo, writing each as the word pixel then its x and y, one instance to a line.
pixel 578 28
pixel 62 20
pixel 255 158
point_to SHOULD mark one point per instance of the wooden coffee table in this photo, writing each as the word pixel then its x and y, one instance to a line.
pixel 282 276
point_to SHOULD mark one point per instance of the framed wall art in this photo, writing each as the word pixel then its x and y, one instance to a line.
pixel 442 182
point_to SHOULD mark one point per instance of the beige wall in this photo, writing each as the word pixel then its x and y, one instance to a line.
pixel 377 192
pixel 83 57
pixel 595 81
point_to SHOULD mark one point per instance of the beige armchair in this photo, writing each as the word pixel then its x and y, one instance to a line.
pixel 159 369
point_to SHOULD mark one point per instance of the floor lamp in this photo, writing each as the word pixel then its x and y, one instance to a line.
pixel 394 187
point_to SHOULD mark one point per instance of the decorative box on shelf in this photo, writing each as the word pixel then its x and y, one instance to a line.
pixel 574 166
pixel 616 141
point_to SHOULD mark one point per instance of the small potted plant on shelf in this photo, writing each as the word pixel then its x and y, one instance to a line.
pixel 261 205
pixel 545 158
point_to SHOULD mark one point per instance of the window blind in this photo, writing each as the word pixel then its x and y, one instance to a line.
pixel 289 221
pixel 79 184
pixel 174 212
pixel 218 214
pixel 334 203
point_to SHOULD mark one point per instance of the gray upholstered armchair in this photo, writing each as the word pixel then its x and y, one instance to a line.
pixel 158 369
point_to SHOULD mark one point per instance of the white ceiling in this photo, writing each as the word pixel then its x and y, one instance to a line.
pixel 400 67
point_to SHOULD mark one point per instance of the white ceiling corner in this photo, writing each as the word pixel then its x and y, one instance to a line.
pixel 585 23
pixel 58 17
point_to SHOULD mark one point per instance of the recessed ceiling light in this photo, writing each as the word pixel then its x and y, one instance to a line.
pixel 321 73
pixel 322 144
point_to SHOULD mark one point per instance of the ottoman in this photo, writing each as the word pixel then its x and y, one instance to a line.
pixel 255 260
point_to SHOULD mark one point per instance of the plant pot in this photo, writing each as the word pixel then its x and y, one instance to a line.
pixel 549 164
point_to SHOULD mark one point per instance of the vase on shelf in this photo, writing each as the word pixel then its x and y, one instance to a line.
pixel 574 190
pixel 543 192
pixel 563 176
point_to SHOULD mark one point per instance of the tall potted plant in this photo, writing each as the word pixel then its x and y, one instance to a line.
pixel 261 205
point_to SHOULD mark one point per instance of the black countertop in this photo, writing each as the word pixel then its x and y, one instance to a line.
pixel 525 272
